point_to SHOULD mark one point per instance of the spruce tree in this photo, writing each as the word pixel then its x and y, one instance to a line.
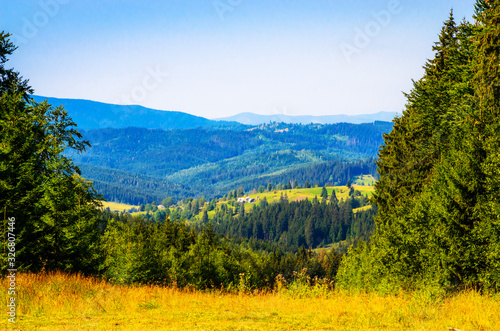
pixel 324 193
pixel 54 208
pixel 437 195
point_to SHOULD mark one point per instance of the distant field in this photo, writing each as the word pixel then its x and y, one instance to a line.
pixel 64 302
pixel 361 209
pixel 115 206
pixel 365 180
pixel 342 192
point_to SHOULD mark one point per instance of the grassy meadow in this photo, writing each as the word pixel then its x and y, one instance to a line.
pixel 115 206
pixel 72 302
pixel 367 180
pixel 342 192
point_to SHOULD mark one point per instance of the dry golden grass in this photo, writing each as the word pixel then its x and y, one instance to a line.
pixel 115 206
pixel 63 302
pixel 342 192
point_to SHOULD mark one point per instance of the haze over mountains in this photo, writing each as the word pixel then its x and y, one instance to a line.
pixel 140 155
pixel 256 119
pixel 97 115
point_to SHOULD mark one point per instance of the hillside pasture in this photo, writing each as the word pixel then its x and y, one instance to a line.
pixel 342 192
pixel 365 180
pixel 115 206
pixel 58 301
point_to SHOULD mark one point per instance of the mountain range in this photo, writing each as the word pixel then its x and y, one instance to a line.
pixel 140 155
pixel 256 119
pixel 98 115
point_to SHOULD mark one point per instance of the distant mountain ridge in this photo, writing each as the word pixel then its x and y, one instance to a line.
pixel 140 165
pixel 98 115
pixel 256 119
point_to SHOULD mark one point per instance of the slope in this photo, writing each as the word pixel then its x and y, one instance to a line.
pixel 95 115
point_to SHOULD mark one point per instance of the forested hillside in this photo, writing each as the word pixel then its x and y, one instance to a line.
pixel 212 161
pixel 299 223
pixel 53 218
pixel 439 188
pixel 435 206
pixel 98 115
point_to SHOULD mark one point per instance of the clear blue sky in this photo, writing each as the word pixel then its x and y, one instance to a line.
pixel 217 58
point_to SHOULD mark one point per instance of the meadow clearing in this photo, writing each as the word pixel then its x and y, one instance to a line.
pixel 341 192
pixel 58 301
pixel 116 206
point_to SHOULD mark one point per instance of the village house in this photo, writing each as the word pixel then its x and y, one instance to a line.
pixel 246 200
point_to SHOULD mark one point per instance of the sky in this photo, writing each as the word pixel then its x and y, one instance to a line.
pixel 217 58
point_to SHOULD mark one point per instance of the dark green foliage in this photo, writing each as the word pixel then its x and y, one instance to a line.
pixel 132 163
pixel 10 80
pixel 438 193
pixel 169 253
pixel 116 185
pixel 299 223
pixel 55 209
pixel 324 193
pixel 132 188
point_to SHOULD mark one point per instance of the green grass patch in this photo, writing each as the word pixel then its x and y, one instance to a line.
pixel 115 206
pixel 365 180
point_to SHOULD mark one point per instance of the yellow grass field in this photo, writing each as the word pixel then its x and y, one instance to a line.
pixel 115 206
pixel 365 180
pixel 62 302
pixel 342 192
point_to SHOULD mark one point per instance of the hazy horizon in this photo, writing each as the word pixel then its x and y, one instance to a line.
pixel 220 58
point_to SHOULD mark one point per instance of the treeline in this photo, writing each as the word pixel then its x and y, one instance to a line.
pixel 438 195
pixel 298 223
pixel 170 253
pixel 363 139
pixel 158 153
pixel 331 173
pixel 209 162
pixel 132 188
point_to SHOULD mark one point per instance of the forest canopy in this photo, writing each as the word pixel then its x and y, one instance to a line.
pixel 55 210
pixel 438 222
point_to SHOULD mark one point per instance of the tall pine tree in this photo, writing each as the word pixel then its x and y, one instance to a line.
pixel 54 208
pixel 438 194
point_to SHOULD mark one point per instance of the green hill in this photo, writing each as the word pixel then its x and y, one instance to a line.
pixel 210 162
pixel 95 115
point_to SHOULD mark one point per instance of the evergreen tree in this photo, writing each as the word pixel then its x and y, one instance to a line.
pixel 55 209
pixel 204 217
pixel 241 211
pixel 333 197
pixel 324 193
pixel 438 193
